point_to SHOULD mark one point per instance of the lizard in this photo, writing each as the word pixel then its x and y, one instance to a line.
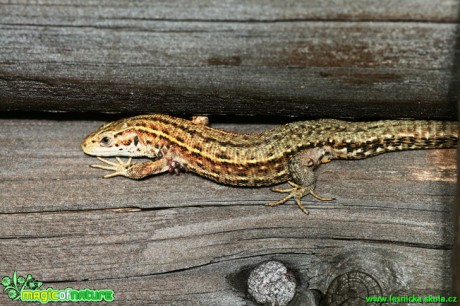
pixel 288 153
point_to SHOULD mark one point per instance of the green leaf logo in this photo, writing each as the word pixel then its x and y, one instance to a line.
pixel 16 284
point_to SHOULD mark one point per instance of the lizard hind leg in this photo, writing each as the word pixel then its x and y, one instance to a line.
pixel 296 193
pixel 301 167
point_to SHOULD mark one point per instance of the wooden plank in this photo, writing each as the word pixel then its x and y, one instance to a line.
pixel 308 59
pixel 105 12
pixel 175 240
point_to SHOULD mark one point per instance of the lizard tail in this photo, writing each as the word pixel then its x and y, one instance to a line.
pixel 373 138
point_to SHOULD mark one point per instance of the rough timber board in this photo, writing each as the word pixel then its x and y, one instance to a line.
pixel 317 59
pixel 188 240
pixel 83 13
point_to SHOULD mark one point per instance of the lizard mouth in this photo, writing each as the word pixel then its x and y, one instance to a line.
pixel 90 147
pixel 89 151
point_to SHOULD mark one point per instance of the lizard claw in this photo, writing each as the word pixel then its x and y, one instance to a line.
pixel 119 169
pixel 297 193
pixel 320 197
pixel 281 190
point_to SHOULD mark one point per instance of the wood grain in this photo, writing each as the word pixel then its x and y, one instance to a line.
pixel 83 12
pixel 336 59
pixel 186 240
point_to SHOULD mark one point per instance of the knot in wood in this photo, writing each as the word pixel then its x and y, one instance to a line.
pixel 270 283
pixel 352 288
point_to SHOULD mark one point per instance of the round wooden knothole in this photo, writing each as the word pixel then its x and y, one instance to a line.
pixel 351 289
pixel 270 283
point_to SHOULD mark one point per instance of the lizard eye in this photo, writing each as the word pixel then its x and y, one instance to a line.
pixel 105 141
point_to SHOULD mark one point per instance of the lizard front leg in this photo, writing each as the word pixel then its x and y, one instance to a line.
pixel 301 167
pixel 200 120
pixel 133 171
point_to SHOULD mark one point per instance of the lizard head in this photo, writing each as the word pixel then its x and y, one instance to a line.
pixel 116 138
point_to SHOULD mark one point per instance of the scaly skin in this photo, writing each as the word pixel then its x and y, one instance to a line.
pixel 286 153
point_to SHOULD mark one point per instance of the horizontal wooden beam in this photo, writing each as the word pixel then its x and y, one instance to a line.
pixel 107 12
pixel 185 239
pixel 314 59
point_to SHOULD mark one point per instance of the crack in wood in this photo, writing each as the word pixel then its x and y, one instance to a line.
pixel 446 247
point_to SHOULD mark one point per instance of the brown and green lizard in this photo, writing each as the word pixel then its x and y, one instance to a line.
pixel 288 153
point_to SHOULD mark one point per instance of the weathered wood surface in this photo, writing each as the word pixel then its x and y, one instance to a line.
pixel 188 241
pixel 306 58
pixel 456 255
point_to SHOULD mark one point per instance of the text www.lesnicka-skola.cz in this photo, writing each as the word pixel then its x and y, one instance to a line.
pixel 411 299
